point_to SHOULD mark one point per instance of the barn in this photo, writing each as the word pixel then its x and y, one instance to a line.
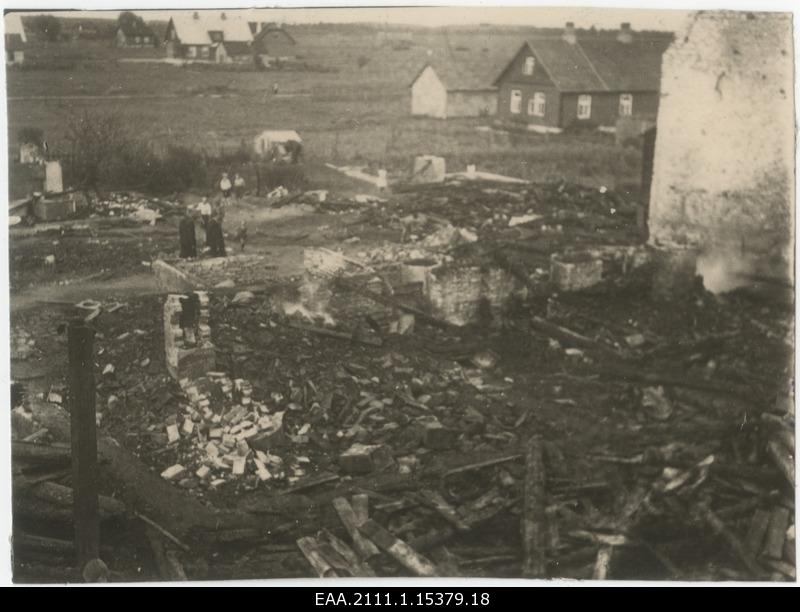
pixel 449 89
pixel 555 83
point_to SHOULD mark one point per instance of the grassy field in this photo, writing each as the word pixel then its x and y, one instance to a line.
pixel 350 103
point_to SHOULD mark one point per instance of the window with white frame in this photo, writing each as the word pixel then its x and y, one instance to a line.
pixel 192 51
pixel 516 101
pixel 537 104
pixel 530 64
pixel 205 52
pixel 584 106
pixel 625 105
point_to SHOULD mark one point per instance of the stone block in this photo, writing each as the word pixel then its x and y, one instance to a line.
pixel 572 273
pixel 365 458
pixel 434 435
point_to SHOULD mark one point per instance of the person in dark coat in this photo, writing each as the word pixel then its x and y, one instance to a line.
pixel 186 232
pixel 215 239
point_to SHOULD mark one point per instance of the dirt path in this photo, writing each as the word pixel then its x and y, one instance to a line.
pixel 116 289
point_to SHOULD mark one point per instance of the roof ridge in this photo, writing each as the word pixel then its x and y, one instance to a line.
pixel 544 64
pixel 592 66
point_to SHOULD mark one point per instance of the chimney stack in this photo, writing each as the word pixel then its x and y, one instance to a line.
pixel 222 16
pixel 196 15
pixel 569 33
pixel 625 35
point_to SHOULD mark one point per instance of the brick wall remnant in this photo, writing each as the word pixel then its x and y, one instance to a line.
pixel 723 173
pixel 187 335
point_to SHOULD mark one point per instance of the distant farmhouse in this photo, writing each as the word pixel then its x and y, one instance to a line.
pixel 272 42
pixel 213 37
pixel 135 34
pixel 15 40
pixel 554 83
pixel 445 89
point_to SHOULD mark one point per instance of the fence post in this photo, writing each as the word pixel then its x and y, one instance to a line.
pixel 83 434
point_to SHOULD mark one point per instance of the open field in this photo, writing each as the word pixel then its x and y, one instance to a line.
pixel 350 104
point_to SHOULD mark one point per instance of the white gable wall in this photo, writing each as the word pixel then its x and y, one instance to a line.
pixel 429 96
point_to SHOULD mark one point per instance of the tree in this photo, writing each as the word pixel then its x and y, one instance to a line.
pixel 128 19
pixel 47 26
pixel 96 142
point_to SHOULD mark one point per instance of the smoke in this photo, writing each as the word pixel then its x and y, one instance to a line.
pixel 314 299
pixel 724 271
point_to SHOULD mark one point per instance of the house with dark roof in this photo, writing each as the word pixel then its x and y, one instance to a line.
pixel 15 40
pixel 135 33
pixel 554 83
pixel 273 42
pixel 209 36
pixel 445 89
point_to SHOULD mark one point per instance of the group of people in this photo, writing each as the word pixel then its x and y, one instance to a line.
pixel 206 217
pixel 235 186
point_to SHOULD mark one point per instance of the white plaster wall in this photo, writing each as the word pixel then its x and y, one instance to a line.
pixel 428 95
pixel 724 159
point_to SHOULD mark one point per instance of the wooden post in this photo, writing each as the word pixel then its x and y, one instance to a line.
pixel 84 442
pixel 534 521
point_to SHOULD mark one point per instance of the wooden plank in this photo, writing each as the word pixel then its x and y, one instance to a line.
pixel 437 502
pixel 776 532
pixel 350 520
pixel 482 464
pixel 355 565
pixel 756 532
pixel 311 551
pixel 398 550
pixel 602 563
pixel 534 518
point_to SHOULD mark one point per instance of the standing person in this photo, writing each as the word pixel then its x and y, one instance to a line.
pixel 225 185
pixel 204 208
pixel 275 88
pixel 187 236
pixel 238 185
pixel 241 235
pixel 215 240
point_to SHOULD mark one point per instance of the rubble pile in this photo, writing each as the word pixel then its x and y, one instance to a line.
pixel 136 206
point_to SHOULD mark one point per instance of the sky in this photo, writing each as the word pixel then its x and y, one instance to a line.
pixel 451 15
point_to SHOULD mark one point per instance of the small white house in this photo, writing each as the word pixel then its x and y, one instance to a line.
pixel 449 91
pixel 15 40
pixel 267 141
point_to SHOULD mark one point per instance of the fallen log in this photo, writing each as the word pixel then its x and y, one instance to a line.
pixel 398 550
pixel 534 519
